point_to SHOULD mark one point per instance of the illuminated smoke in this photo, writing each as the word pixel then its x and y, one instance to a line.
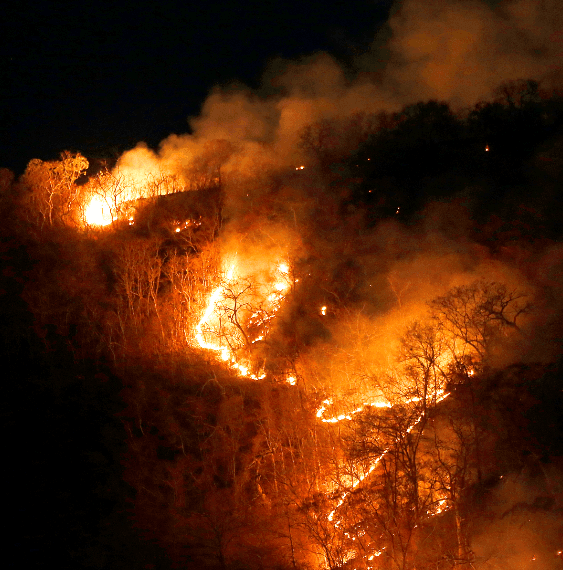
pixel 461 51
pixel 447 50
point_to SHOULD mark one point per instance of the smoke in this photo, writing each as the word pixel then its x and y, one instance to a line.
pixel 379 284
pixel 460 51
pixel 526 528
pixel 456 51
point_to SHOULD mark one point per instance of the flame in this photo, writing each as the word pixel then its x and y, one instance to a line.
pixel 348 416
pixel 379 552
pixel 97 213
pixel 210 323
pixel 440 507
pixel 210 335
pixel 439 397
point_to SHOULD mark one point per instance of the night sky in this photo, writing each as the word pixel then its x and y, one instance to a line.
pixel 97 77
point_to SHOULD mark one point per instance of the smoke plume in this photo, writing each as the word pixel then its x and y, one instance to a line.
pixel 455 51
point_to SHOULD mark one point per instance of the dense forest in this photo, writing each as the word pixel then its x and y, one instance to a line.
pixel 350 362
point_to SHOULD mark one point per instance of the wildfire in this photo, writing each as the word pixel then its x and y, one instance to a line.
pixel 348 416
pixel 441 395
pixel 221 320
pixel 231 336
pixel 97 213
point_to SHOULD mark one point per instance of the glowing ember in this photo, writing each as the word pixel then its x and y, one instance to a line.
pixel 379 552
pixel 439 507
pixel 323 310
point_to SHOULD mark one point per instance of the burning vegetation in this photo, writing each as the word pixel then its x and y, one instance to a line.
pixel 346 362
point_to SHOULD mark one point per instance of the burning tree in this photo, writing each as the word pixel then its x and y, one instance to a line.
pixel 107 191
pixel 238 315
pixel 412 463
pixel 115 194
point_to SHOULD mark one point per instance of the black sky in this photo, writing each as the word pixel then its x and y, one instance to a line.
pixel 98 77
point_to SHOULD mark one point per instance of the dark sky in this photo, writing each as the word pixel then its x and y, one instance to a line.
pixel 99 77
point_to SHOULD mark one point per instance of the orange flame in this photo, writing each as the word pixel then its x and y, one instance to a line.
pixel 212 324
pixel 97 213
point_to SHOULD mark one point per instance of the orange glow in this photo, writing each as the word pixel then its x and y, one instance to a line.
pixel 97 213
pixel 222 322
pixel 439 506
pixel 441 395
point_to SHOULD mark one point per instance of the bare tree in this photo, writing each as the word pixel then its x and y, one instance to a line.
pixel 52 193
pixel 138 272
pixel 109 190
pixel 474 316
pixel 452 465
